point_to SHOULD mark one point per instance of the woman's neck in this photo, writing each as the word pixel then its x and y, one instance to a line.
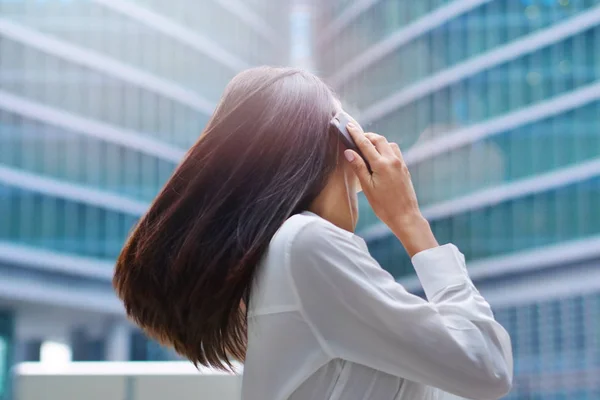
pixel 333 207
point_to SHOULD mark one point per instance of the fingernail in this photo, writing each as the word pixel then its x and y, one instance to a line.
pixel 351 125
pixel 349 155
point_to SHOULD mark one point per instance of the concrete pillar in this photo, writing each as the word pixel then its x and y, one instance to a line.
pixel 118 341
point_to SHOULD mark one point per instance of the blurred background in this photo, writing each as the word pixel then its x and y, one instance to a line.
pixel 495 103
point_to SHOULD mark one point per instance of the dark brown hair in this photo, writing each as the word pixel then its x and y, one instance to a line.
pixel 186 271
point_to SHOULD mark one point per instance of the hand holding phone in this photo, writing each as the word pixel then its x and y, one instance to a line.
pixel 340 123
pixel 389 189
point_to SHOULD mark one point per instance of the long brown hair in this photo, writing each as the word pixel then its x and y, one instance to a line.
pixel 186 271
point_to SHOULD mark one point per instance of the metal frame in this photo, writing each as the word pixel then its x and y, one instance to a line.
pixel 399 38
pixel 66 190
pixel 498 125
pixel 497 56
pixel 528 261
pixel 349 15
pixel 523 116
pixel 570 281
pixel 37 291
pixel 176 31
pixel 508 191
pixel 103 64
pixel 51 261
pixel 89 127
pixel 244 13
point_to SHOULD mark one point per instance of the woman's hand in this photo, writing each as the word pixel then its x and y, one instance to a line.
pixel 389 189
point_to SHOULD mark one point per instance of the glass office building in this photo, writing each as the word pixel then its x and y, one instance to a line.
pixel 496 105
pixel 99 100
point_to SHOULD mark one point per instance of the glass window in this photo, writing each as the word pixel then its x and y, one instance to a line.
pixel 480 233
pixel 545 222
pixel 25 222
pixel 51 141
pixel 149 177
pixel 521 150
pixel 48 222
pixel 165 120
pixel 534 330
pixel 535 77
pixel 393 14
pixel 91 231
pixel 502 227
pixel 456 44
pixel 477 91
pixel 93 162
pixel 149 108
pixel 10 128
pixel 165 169
pixel 461 233
pixel 564 138
pixel 132 173
pixel 594 212
pixel 496 32
pixel 438 50
pixel 497 91
pixel 459 103
pixel 61 225
pixel 596 51
pixel 523 223
pixel 6 350
pixel 37 203
pixel 541 145
pixel 585 132
pixel 114 164
pixel 113 234
pixel 443 230
pixel 27 143
pixel 133 106
pixel 6 195
pixel 475 32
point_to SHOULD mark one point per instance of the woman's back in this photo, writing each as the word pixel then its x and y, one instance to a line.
pixel 285 359
pixel 305 341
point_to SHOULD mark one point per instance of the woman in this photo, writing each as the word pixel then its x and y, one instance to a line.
pixel 248 254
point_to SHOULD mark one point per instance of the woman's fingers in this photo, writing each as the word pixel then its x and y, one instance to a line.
pixel 358 165
pixel 381 144
pixel 397 150
pixel 364 144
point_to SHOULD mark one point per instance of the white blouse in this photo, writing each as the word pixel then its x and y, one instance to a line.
pixel 327 322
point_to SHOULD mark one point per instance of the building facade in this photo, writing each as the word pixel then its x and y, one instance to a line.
pixel 496 105
pixel 99 100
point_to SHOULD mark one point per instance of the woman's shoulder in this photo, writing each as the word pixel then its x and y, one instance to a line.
pixel 307 230
pixel 303 241
pixel 307 235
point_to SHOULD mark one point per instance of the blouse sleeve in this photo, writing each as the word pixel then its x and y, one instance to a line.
pixel 359 313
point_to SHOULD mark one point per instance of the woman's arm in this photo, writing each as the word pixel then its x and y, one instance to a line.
pixel 358 312
pixel 451 341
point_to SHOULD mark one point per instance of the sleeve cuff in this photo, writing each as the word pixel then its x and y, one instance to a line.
pixel 440 267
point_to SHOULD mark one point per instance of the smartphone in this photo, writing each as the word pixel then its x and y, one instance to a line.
pixel 340 122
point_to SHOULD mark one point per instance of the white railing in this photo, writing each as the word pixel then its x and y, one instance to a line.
pixel 124 380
